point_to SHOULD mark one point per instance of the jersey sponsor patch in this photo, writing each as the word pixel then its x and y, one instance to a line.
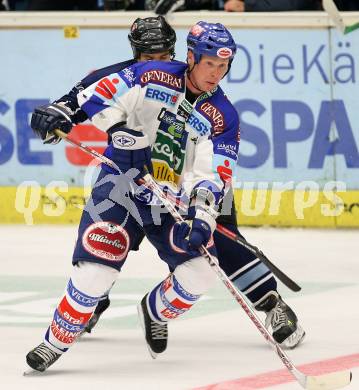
pixel 79 297
pixel 106 240
pixel 109 87
pixel 162 94
pixel 64 324
pixel 182 292
pixel 226 149
pixel 128 76
pixel 164 78
pixel 72 315
pixel 214 115
pixel 169 314
pixel 224 52
pixel 64 336
pixel 123 141
pixel 169 148
pixel 199 123
pixel 224 167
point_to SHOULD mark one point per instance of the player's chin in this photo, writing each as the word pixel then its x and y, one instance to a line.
pixel 208 86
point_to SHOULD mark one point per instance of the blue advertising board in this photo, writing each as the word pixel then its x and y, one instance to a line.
pixel 296 91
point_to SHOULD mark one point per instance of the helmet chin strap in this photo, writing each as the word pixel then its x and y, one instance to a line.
pixel 189 71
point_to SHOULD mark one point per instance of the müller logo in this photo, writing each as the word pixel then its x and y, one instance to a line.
pixel 163 77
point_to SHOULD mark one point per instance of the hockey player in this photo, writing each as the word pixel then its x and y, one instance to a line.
pixel 92 261
pixel 247 272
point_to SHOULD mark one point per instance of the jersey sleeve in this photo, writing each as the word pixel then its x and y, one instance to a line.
pixel 216 158
pixel 77 115
pixel 111 99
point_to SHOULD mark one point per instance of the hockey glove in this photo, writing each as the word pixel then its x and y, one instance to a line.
pixel 130 149
pixel 46 119
pixel 190 235
pixel 201 223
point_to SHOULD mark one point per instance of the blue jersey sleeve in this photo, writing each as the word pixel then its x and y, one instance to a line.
pixel 70 99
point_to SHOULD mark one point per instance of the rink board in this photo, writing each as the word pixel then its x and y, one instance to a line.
pixel 56 205
pixel 296 99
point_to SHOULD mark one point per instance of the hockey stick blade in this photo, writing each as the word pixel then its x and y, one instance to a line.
pixel 332 381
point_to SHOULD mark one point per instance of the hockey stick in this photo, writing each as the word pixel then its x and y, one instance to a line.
pixel 285 279
pixel 332 10
pixel 331 381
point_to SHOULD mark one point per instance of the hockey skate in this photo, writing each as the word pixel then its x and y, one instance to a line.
pixel 156 334
pixel 100 308
pixel 41 357
pixel 282 319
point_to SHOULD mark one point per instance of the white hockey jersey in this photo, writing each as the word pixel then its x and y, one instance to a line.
pixel 190 143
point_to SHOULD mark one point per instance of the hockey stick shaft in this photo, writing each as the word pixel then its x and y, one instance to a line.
pixel 323 382
pixel 285 279
pixel 332 10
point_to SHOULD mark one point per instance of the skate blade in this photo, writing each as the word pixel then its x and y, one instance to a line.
pixel 31 372
pixel 153 354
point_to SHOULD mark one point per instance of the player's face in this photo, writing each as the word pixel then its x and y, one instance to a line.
pixel 163 56
pixel 207 74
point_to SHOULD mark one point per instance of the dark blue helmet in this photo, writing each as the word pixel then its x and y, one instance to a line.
pixel 211 39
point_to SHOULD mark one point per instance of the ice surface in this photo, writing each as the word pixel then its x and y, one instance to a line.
pixel 214 344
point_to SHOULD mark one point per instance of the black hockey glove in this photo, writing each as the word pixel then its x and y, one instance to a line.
pixel 45 119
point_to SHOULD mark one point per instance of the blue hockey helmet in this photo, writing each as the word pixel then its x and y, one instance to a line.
pixel 211 39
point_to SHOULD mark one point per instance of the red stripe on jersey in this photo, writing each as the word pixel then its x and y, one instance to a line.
pixel 179 304
pixel 72 315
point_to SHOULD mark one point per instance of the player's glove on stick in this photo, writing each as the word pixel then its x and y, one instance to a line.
pixel 46 119
pixel 200 224
pixel 130 149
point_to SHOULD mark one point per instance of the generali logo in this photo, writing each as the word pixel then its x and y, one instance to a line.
pixel 214 114
pixel 162 77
